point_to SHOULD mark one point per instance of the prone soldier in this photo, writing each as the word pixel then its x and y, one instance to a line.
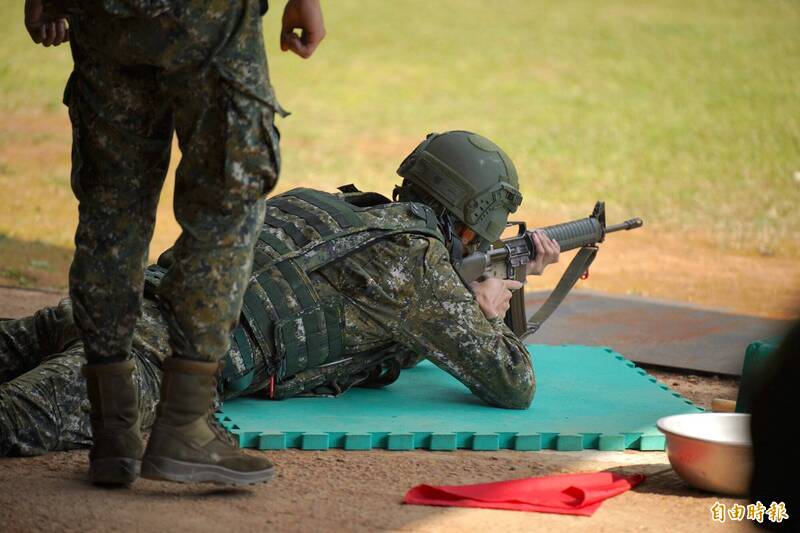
pixel 346 290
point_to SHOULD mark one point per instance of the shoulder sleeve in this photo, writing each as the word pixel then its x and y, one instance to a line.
pixel 418 298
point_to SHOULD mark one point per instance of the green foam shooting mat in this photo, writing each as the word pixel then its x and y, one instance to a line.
pixel 586 398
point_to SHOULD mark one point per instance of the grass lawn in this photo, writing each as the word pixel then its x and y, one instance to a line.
pixel 686 114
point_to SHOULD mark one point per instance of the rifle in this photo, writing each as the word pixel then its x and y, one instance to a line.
pixel 508 259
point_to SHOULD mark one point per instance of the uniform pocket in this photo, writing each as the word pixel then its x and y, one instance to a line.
pixel 297 340
pixel 310 338
pixel 272 137
pixel 252 155
pixel 71 101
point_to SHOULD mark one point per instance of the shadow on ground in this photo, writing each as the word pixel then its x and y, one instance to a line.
pixel 661 479
pixel 30 264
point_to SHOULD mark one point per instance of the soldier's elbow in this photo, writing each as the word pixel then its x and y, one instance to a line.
pixel 524 399
pixel 519 396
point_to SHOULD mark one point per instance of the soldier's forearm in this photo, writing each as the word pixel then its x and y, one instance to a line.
pixel 516 381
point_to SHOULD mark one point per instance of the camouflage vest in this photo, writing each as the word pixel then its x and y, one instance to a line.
pixel 304 230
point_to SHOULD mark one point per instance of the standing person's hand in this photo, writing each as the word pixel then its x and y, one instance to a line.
pixel 306 16
pixel 49 29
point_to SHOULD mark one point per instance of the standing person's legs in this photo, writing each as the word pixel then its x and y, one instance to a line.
pixel 224 122
pixel 122 131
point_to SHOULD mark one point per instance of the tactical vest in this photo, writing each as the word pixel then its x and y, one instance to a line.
pixel 304 230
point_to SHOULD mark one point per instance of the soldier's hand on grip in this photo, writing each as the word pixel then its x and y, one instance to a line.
pixel 494 295
pixel 306 16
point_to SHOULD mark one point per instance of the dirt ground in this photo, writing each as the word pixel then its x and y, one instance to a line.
pixel 347 491
pixel 352 491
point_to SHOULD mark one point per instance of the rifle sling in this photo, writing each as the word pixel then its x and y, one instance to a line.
pixel 579 265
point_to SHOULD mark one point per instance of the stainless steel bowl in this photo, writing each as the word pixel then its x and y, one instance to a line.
pixel 710 451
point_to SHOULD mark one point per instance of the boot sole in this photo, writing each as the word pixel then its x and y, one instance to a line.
pixel 164 469
pixel 114 471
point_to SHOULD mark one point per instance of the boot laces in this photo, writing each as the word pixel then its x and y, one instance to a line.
pixel 221 431
pixel 216 426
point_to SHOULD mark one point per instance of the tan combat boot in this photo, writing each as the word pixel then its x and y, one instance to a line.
pixel 187 443
pixel 115 457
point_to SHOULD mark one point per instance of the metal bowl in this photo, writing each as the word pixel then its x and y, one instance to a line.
pixel 710 451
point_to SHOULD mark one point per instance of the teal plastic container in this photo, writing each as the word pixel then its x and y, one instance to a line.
pixel 755 359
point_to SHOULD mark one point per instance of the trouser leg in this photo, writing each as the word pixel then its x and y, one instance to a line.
pixel 24 342
pixel 122 131
pixel 47 409
pixel 229 162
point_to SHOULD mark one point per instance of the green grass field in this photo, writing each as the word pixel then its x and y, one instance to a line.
pixel 685 113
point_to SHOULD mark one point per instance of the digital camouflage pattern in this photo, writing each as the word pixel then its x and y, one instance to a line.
pixel 399 290
pixel 288 317
pixel 404 290
pixel 143 70
pixel 43 402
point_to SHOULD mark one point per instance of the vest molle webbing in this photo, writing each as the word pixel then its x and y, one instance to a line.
pixel 305 230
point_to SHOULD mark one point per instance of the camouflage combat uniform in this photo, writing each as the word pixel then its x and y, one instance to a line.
pixel 43 402
pixel 391 287
pixel 143 70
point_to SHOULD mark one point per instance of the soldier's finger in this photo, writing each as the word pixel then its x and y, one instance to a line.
pixel 547 244
pixel 556 249
pixel 552 249
pixel 61 29
pixel 494 283
pixel 537 243
pixel 286 39
pixel 296 45
pixel 541 251
pixel 512 284
pixel 311 39
pixel 38 34
pixel 50 34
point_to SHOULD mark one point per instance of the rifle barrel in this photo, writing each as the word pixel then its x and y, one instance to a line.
pixel 625 226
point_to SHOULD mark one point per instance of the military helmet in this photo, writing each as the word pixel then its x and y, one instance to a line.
pixel 470 176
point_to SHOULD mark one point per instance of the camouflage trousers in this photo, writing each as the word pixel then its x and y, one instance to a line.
pixel 43 403
pixel 198 69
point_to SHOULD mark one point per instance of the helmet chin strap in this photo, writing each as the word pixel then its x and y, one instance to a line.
pixel 447 223
pixel 452 239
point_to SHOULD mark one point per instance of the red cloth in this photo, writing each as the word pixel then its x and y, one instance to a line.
pixel 577 494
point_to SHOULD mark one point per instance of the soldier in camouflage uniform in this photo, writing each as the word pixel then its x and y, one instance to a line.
pixel 143 70
pixel 346 290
